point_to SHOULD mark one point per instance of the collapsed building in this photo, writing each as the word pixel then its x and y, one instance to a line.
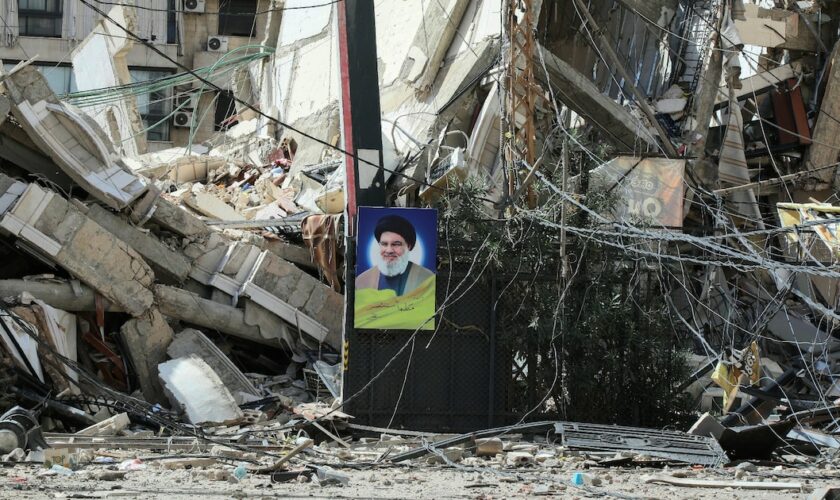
pixel 199 279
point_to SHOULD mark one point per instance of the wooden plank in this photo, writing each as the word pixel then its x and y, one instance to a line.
pixel 329 434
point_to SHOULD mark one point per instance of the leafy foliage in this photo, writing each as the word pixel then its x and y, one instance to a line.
pixel 594 345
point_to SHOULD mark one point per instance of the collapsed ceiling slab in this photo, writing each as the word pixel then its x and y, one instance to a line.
pixel 169 265
pixel 243 270
pixel 578 92
pixel 74 141
pixel 57 230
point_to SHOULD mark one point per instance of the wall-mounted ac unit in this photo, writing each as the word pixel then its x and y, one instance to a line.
pixel 183 119
pixel 194 6
pixel 217 43
pixel 446 172
pixel 186 100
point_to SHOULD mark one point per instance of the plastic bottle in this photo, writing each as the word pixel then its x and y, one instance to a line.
pixel 240 472
pixel 61 470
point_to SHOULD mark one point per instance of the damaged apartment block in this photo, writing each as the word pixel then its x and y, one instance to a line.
pixel 218 273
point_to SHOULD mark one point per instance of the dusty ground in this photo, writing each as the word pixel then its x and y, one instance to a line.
pixel 411 481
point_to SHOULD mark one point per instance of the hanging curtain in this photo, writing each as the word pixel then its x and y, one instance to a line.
pixel 151 20
pixel 9 11
pixel 68 20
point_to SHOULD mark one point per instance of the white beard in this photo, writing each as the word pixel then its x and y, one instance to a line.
pixel 392 268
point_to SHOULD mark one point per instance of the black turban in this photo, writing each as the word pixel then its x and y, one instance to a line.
pixel 399 225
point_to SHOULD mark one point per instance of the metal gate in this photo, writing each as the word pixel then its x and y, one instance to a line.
pixel 443 381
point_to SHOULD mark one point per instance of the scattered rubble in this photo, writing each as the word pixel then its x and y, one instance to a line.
pixel 179 312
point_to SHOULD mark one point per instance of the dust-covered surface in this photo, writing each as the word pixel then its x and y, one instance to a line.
pixel 210 475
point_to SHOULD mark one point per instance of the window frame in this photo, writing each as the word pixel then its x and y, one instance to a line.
pixel 57 15
pixel 69 84
pixel 164 130
pixel 224 119
pixel 232 21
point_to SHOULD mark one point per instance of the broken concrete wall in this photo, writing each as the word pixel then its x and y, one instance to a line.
pixel 170 266
pixel 437 59
pixel 106 49
pixel 56 229
pixel 243 270
pixel 147 338
pixel 825 149
pixel 431 42
pixel 780 28
pixel 74 141
pixel 306 52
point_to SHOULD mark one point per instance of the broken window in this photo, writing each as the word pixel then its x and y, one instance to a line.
pixel 237 17
pixel 154 107
pixel 225 111
pixel 39 17
pixel 59 77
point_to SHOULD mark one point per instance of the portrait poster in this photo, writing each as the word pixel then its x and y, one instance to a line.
pixel 396 262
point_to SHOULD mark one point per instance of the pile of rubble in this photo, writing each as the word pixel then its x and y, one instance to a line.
pixel 116 279
pixel 320 448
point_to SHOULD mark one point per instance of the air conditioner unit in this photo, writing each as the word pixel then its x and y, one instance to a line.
pixel 194 6
pixel 445 173
pixel 183 119
pixel 186 100
pixel 217 43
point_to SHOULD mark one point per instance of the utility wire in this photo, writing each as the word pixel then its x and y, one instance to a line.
pixel 250 106
pixel 219 12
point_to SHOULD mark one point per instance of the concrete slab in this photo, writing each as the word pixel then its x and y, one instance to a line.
pixel 211 206
pixel 106 49
pixel 165 213
pixel 147 338
pixel 190 341
pixel 197 390
pixel 170 266
pixel 74 141
pixel 60 231
pixel 578 92
pixel 431 41
pixel 242 270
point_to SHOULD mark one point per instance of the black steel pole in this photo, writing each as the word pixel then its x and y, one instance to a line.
pixel 362 137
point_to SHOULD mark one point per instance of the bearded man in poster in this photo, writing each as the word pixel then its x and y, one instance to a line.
pixel 393 269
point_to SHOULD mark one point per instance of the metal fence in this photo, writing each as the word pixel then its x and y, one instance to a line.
pixel 467 375
pixel 447 381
